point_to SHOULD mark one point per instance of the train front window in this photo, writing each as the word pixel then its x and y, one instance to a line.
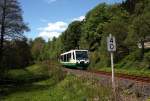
pixel 81 55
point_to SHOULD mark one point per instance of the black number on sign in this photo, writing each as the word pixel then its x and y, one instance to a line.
pixel 111 46
pixel 111 40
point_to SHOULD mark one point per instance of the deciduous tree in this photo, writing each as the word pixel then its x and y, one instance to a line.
pixel 12 25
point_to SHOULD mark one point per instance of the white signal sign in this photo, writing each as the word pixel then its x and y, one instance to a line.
pixel 111 43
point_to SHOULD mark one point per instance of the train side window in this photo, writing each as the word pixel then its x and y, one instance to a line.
pixel 73 55
pixel 68 57
pixel 65 58
pixel 62 58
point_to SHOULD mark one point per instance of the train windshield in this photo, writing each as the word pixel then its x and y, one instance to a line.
pixel 81 55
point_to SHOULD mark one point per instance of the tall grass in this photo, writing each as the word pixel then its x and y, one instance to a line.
pixel 58 86
pixel 21 79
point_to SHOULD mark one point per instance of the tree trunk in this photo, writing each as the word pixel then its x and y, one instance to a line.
pixel 2 31
pixel 1 42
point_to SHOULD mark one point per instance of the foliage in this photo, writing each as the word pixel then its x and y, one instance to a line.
pixel 32 83
pixel 71 88
pixel 93 27
pixel 29 74
pixel 37 48
pixel 129 5
pixel 128 71
pixel 12 40
pixel 36 78
pixel 70 38
pixel 55 48
pixel 148 99
pixel 79 89
pixel 128 22
pixel 17 54
pixel 74 88
pixel 12 25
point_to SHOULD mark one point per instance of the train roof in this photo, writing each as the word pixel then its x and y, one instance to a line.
pixel 73 51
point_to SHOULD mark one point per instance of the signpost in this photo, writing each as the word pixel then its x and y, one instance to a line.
pixel 111 45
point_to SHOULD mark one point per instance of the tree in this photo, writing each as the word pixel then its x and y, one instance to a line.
pixel 37 48
pixel 129 5
pixel 140 29
pixel 118 26
pixel 12 25
pixel 93 26
pixel 71 36
pixel 17 54
pixel 23 52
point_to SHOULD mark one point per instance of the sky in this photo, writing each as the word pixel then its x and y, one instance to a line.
pixel 48 18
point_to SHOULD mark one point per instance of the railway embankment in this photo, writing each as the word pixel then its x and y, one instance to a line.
pixel 129 85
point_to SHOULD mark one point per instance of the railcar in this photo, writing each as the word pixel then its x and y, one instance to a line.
pixel 75 59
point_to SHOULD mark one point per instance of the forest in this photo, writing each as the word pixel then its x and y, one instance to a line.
pixel 30 70
pixel 128 21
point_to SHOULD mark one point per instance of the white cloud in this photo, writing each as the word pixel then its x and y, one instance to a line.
pixel 79 18
pixel 57 26
pixel 52 30
pixel 48 35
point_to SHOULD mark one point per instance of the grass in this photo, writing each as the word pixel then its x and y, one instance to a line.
pixel 131 64
pixel 35 80
pixel 72 88
pixel 129 71
pixel 148 99
pixel 57 87
pixel 33 86
pixel 38 91
pixel 19 79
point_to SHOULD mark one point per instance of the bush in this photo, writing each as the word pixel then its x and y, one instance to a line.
pixel 147 59
pixel 55 71
pixel 133 61
pixel 74 88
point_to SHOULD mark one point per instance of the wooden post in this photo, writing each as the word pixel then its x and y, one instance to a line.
pixel 112 68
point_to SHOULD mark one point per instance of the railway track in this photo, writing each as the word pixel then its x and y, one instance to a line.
pixel 140 86
pixel 138 79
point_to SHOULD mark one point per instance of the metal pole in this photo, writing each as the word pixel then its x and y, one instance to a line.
pixel 112 67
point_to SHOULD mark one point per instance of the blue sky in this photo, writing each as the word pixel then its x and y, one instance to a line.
pixel 48 18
